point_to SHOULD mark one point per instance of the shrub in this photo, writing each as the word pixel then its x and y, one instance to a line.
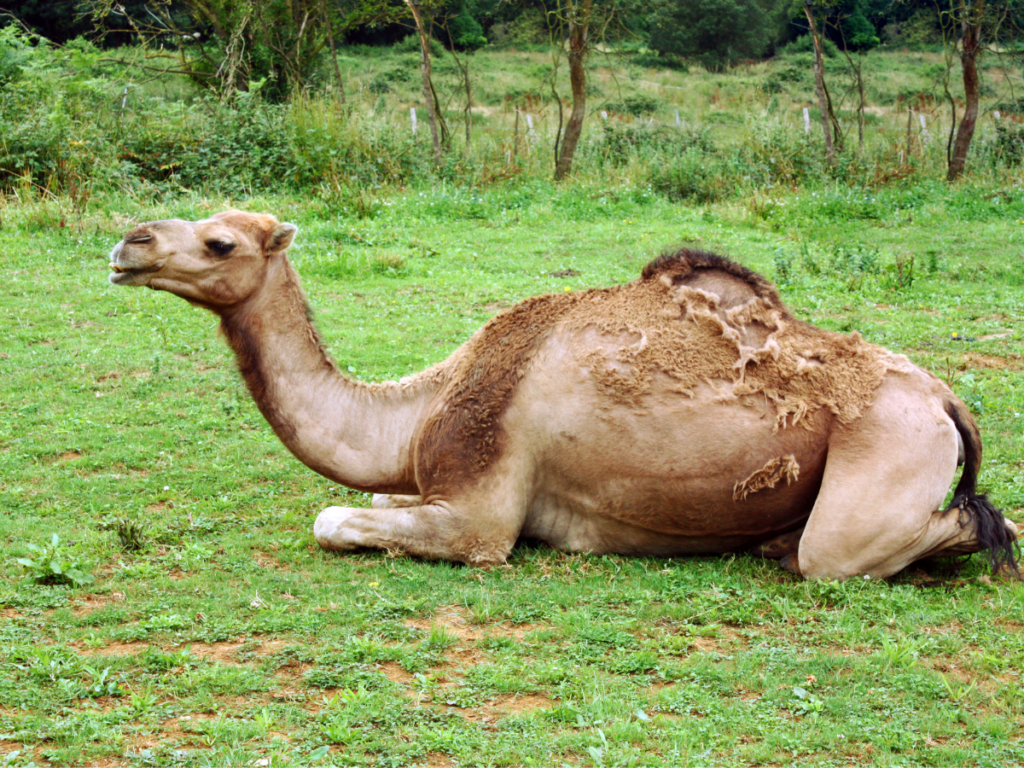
pixel 619 141
pixel 693 175
pixel 638 105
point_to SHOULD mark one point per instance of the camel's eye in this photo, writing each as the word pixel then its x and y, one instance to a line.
pixel 220 247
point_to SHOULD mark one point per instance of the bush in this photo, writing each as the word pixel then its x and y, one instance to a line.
pixel 620 141
pixel 805 44
pixel 411 44
pixel 694 175
pixel 716 33
pixel 638 105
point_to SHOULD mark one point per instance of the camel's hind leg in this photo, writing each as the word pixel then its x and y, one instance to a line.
pixel 885 478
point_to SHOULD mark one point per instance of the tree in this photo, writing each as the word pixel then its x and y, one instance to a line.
pixel 970 17
pixel 578 15
pixel 438 129
pixel 717 33
pixel 465 34
pixel 828 119
pixel 227 44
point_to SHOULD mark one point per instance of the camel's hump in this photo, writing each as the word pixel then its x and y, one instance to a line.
pixel 700 269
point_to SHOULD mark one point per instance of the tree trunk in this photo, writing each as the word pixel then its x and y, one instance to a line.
pixel 819 86
pixel 467 113
pixel 334 55
pixel 428 88
pixel 579 23
pixel 971 27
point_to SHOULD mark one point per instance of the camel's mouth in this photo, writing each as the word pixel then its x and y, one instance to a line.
pixel 127 274
pixel 130 275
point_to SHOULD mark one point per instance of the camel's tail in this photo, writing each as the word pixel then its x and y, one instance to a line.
pixel 975 509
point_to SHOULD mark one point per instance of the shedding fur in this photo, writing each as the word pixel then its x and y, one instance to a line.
pixel 771 474
pixel 706 319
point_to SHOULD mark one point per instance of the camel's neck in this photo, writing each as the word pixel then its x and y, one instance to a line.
pixel 357 434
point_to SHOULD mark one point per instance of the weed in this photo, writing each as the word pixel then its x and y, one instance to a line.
pixel 55 564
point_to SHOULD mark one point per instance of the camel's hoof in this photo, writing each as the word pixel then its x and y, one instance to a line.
pixel 330 530
pixel 791 563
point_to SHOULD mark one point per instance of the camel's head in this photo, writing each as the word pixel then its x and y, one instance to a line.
pixel 216 262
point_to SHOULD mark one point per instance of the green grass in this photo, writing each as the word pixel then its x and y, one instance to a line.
pixel 230 638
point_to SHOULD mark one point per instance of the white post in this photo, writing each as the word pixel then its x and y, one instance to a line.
pixel 807 121
pixel 678 122
pixel 604 115
pixel 412 116
pixel 996 114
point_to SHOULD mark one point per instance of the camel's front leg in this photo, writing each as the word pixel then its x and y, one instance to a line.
pixel 440 531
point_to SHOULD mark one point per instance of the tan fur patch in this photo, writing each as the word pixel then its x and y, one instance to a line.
pixel 771 474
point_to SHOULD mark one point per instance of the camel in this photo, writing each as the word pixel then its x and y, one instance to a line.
pixel 687 412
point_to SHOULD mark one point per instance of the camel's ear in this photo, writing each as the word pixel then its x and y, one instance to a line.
pixel 281 237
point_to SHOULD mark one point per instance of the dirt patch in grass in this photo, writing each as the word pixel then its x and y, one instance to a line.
pixel 980 361
pixel 453 618
pixel 86 604
pixel 394 672
pixel 116 649
pixel 222 652
pixel 10 613
pixel 502 707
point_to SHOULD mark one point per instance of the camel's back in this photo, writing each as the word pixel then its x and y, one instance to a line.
pixel 690 318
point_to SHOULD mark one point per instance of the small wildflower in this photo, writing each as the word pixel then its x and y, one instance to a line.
pixel 374 583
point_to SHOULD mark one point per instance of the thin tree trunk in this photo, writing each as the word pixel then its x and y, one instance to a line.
pixel 428 87
pixel 334 55
pixel 469 102
pixel 819 86
pixel 579 23
pixel 971 27
pixel 463 66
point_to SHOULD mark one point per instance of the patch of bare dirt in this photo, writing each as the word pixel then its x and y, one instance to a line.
pixel 222 652
pixel 10 613
pixel 943 629
pixel 453 618
pixel 502 707
pixel 115 649
pixel 266 559
pixel 69 456
pixel 86 604
pixel 437 760
pixel 394 672
pixel 979 361
pixel 726 639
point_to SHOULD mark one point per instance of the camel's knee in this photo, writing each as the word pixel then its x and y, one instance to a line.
pixel 331 531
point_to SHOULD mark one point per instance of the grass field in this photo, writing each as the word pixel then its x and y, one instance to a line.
pixel 229 639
